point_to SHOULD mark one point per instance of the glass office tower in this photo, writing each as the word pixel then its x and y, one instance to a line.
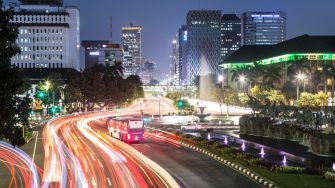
pixel 263 28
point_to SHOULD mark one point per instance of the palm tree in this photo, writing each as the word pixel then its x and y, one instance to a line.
pixel 116 71
pixel 289 91
pixel 297 66
pixel 237 73
pixel 255 72
pixel 271 75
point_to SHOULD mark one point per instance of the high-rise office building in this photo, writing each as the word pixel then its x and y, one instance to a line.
pixel 92 48
pixel 230 34
pixel 42 2
pixel 132 40
pixel 110 54
pixel 203 46
pixel 48 36
pixel 175 64
pixel 182 47
pixel 130 68
pixel 263 28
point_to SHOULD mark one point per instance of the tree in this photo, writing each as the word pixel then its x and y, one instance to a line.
pixel 224 95
pixel 275 96
pixel 115 71
pixel 307 100
pixel 243 98
pixel 289 91
pixel 260 92
pixel 297 67
pixel 14 110
pixel 271 75
pixel 322 99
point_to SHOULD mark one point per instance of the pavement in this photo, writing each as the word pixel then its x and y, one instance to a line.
pixel 190 168
pixel 6 176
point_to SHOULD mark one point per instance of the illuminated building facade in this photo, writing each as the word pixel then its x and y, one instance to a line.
pixel 132 40
pixel 110 54
pixel 230 34
pixel 263 28
pixel 310 51
pixel 92 48
pixel 175 72
pixel 203 42
pixel 48 35
pixel 182 54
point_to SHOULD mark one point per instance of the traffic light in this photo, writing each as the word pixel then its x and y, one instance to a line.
pixel 180 104
pixel 41 94
pixel 146 119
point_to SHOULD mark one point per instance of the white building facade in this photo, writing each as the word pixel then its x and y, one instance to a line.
pixel 49 37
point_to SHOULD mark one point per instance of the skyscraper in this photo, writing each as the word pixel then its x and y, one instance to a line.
pixel 182 47
pixel 48 35
pixel 230 34
pixel 132 40
pixel 263 28
pixel 203 46
pixel 176 67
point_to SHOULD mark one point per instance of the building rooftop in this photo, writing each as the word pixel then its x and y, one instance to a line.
pixel 230 17
pixel 304 44
pixel 87 43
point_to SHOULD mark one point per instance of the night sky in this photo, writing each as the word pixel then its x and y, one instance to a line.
pixel 161 19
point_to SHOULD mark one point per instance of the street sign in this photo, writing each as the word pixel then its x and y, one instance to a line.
pixel 38 104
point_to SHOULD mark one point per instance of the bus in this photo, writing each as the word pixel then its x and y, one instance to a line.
pixel 126 129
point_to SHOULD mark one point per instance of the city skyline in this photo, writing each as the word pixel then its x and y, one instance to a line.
pixel 172 14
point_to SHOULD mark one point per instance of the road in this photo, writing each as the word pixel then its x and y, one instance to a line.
pixel 74 151
pixel 78 156
pixel 189 168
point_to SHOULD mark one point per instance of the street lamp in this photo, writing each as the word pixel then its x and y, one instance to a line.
pixel 242 80
pixel 300 77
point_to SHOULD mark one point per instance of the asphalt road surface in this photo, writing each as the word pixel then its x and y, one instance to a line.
pixel 189 168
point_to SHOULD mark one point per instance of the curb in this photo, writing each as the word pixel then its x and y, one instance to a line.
pixel 252 175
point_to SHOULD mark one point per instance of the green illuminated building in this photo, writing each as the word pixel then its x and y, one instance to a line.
pixel 308 50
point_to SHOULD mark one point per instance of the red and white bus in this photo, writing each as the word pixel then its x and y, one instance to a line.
pixel 126 129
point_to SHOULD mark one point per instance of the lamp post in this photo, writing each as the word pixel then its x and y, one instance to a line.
pixel 46 87
pixel 242 80
pixel 300 77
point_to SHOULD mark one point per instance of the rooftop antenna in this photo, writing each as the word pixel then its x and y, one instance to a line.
pixel 111 27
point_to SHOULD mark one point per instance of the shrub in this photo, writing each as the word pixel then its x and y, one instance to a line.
pixel 288 169
pixel 330 176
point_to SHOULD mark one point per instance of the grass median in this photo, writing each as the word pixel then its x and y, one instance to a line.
pixel 282 176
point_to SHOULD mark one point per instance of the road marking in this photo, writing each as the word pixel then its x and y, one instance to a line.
pixel 35 146
pixel 109 182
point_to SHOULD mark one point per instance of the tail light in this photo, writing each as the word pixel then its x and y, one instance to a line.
pixel 128 136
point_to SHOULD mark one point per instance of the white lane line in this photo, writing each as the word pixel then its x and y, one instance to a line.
pixel 109 182
pixel 35 146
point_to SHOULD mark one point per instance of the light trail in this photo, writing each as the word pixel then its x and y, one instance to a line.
pixel 20 165
pixel 77 155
